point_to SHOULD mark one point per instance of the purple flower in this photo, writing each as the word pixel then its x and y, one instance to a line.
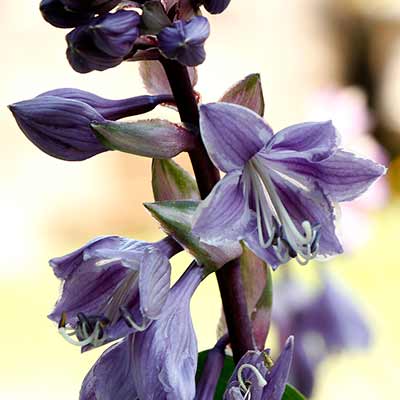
pixel 112 109
pixel 59 127
pixel 258 378
pixel 104 43
pixel 98 6
pixel 59 121
pixel 158 363
pixel 110 287
pixel 278 191
pixel 184 40
pixel 58 15
pixel 324 322
pixel 216 6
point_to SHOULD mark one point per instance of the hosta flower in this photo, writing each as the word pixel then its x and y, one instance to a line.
pixel 256 377
pixel 60 122
pixel 279 189
pixel 158 363
pixel 104 43
pixel 184 41
pixel 216 6
pixel 324 322
pixel 58 15
pixel 59 127
pixel 110 287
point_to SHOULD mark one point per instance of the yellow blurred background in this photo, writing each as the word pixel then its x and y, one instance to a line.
pixel 49 207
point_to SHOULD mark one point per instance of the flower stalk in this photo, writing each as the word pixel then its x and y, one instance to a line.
pixel 229 277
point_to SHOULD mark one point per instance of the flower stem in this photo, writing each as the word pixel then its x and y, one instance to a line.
pixel 229 277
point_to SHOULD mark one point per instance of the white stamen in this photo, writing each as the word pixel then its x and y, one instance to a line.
pixel 134 325
pixel 91 339
pixel 260 379
pixel 301 243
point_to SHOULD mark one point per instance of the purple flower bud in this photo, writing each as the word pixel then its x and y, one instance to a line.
pixel 216 6
pixel 104 43
pixel 112 109
pixel 59 127
pixel 56 14
pixel 184 41
pixel 98 6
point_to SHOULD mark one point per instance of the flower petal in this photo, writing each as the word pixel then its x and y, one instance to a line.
pixel 164 356
pixel 110 377
pixel 313 141
pixel 232 134
pixel 311 205
pixel 279 373
pixel 223 215
pixel 154 283
pixel 344 176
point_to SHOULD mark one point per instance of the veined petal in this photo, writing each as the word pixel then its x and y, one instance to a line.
pixel 224 214
pixel 154 283
pixel 344 176
pixel 314 141
pixel 232 134
pixel 309 204
pixel 164 356
pixel 111 376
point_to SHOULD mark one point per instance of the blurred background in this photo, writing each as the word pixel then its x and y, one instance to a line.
pixel 318 59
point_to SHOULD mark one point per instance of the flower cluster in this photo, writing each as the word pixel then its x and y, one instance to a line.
pixel 275 203
pixel 107 32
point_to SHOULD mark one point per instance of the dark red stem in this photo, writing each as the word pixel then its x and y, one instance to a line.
pixel 229 277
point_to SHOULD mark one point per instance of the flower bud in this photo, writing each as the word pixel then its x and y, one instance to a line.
pixel 104 43
pixel 184 41
pixel 171 182
pixel 97 6
pixel 58 15
pixel 247 93
pixel 148 138
pixel 216 6
pixel 112 109
pixel 59 127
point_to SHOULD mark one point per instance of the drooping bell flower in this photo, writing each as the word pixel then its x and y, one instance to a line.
pixel 60 122
pixel 58 15
pixel 157 363
pixel 216 6
pixel 184 40
pixel 258 378
pixel 111 287
pixel 324 322
pixel 279 189
pixel 104 43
